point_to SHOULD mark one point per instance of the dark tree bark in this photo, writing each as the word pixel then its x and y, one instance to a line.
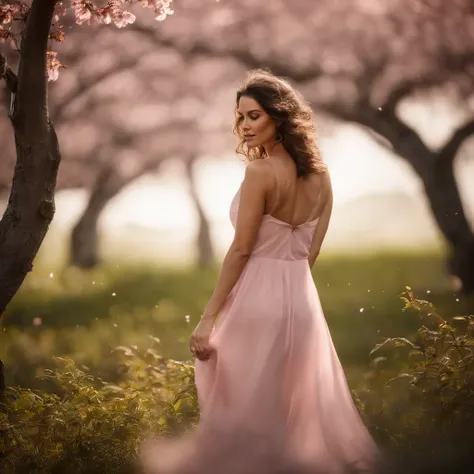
pixel 205 249
pixel 85 242
pixel 31 204
pixel 450 214
pixel 436 171
pixel 85 251
pixel 30 207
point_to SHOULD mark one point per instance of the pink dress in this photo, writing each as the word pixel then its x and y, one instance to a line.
pixel 273 397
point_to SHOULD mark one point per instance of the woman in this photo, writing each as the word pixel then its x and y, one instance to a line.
pixel 271 390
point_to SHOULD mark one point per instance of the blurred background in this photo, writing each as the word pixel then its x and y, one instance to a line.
pixel 144 117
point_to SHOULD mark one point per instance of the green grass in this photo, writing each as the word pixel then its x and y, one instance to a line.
pixel 88 313
pixel 360 296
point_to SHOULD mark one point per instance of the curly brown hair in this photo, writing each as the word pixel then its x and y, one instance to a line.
pixel 287 107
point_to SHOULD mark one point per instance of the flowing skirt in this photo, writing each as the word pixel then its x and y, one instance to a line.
pixel 274 397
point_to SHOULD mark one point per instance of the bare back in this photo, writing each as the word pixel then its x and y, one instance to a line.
pixel 294 200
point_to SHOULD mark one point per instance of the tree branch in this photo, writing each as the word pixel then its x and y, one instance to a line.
pixel 31 97
pixel 280 68
pixel 397 94
pixel 404 140
pixel 205 248
pixel 85 86
pixel 7 73
pixel 450 150
pixel 449 65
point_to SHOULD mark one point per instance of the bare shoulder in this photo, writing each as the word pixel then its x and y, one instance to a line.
pixel 320 180
pixel 325 180
pixel 257 167
pixel 325 176
pixel 259 172
pixel 326 189
pixel 321 187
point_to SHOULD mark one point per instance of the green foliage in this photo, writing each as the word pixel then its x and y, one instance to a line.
pixel 110 383
pixel 27 352
pixel 90 425
pixel 76 306
pixel 427 384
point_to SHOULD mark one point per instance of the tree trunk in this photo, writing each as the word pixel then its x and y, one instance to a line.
pixel 446 205
pixel 447 209
pixel 84 245
pixel 436 171
pixel 30 207
pixel 204 245
pixel 31 204
pixel 84 250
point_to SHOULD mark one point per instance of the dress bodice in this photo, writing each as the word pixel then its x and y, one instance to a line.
pixel 278 239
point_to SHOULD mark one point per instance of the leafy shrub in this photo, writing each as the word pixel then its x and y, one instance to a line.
pixel 416 387
pixel 93 426
pixel 26 352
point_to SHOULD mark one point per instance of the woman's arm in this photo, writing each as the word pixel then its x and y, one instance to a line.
pixel 251 210
pixel 323 223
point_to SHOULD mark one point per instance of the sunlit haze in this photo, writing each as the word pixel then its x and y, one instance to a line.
pixel 160 206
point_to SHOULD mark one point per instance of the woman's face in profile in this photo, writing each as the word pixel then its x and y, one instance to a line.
pixel 255 125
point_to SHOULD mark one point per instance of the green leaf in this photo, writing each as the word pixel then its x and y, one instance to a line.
pixel 392 343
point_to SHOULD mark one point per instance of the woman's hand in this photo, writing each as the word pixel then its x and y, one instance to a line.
pixel 199 343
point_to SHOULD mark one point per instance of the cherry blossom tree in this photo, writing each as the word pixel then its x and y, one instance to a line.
pixel 144 109
pixel 29 28
pixel 93 96
pixel 360 62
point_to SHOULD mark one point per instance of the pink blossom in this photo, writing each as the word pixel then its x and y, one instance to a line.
pixel 106 18
pixel 161 7
pixel 6 36
pixel 7 16
pixel 124 19
pixel 85 11
pixel 37 321
pixel 59 11
pixel 53 74
pixel 82 11
pixel 113 11
pixel 53 65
